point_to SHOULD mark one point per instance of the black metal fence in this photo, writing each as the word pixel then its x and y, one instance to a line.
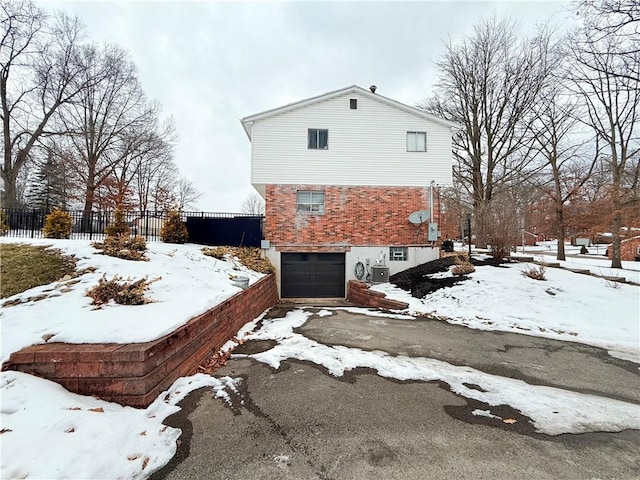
pixel 206 228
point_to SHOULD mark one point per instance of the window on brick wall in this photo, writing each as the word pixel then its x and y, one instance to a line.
pixel 416 141
pixel 318 138
pixel 310 201
pixel 398 254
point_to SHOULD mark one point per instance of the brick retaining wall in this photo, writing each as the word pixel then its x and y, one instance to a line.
pixel 359 294
pixel 135 374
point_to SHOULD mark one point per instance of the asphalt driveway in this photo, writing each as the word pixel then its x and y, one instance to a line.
pixel 300 422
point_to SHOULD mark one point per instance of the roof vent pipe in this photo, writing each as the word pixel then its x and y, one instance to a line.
pixel 373 88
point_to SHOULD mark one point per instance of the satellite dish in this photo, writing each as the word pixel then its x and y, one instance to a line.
pixel 421 216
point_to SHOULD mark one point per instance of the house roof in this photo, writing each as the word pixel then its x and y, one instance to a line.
pixel 247 121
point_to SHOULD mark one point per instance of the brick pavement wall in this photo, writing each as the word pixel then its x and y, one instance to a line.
pixel 359 294
pixel 135 374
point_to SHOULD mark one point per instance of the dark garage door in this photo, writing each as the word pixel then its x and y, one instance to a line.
pixel 312 275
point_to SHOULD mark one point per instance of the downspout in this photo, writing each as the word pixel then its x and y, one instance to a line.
pixel 431 201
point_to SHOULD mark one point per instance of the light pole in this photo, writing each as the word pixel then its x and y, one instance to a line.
pixel 469 229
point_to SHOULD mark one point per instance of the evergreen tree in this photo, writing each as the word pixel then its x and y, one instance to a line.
pixel 50 185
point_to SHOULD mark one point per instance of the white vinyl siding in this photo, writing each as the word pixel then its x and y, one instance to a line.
pixel 368 146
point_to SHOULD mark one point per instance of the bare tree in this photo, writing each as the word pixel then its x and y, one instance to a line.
pixel 39 72
pixel 253 204
pixel 607 83
pixel 139 148
pixel 155 173
pixel 619 19
pixel 489 83
pixel 185 194
pixel 110 126
pixel 566 165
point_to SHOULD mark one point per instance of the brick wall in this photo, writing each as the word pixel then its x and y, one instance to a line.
pixel 135 374
pixel 360 295
pixel 353 216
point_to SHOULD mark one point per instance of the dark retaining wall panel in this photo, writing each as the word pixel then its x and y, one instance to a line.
pixel 136 373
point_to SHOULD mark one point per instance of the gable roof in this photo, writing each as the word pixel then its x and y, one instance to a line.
pixel 247 121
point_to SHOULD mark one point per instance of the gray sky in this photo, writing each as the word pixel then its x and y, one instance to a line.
pixel 210 63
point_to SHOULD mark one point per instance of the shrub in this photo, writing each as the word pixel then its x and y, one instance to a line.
pixel 249 257
pixel 217 252
pixel 174 230
pixel 123 246
pixel 121 292
pixel 534 271
pixel 119 225
pixel 497 225
pixel 463 265
pixel 58 224
pixel 4 226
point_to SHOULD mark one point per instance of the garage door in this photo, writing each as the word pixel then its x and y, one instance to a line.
pixel 312 275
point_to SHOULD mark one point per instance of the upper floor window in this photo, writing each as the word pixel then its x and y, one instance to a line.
pixel 416 141
pixel 318 138
pixel 309 201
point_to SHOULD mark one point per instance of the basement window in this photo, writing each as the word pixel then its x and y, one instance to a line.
pixel 398 254
pixel 318 138
pixel 310 201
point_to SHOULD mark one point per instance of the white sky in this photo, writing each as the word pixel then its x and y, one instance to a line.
pixel 210 63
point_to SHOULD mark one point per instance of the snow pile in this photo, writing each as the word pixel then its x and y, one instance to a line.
pixel 50 433
pixel 553 411
pixel 567 306
pixel 191 284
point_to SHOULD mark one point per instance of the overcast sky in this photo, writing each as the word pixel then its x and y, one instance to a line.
pixel 211 63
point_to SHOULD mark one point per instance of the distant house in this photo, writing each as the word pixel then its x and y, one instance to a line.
pixel 629 249
pixel 340 174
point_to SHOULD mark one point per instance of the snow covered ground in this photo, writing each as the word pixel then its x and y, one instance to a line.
pixel 191 283
pixel 47 432
pixel 566 306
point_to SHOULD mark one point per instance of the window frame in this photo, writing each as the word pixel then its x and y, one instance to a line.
pixel 405 254
pixel 315 207
pixel 415 134
pixel 314 136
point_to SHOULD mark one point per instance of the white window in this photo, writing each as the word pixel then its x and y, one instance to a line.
pixel 638 250
pixel 312 202
pixel 318 138
pixel 416 141
pixel 398 254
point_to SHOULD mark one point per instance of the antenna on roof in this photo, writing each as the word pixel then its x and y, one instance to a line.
pixel 373 88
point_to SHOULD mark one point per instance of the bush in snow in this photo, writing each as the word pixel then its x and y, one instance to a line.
pixel 249 257
pixel 535 272
pixel 174 230
pixel 121 292
pixel 123 246
pixel 463 266
pixel 58 224
pixel 119 225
